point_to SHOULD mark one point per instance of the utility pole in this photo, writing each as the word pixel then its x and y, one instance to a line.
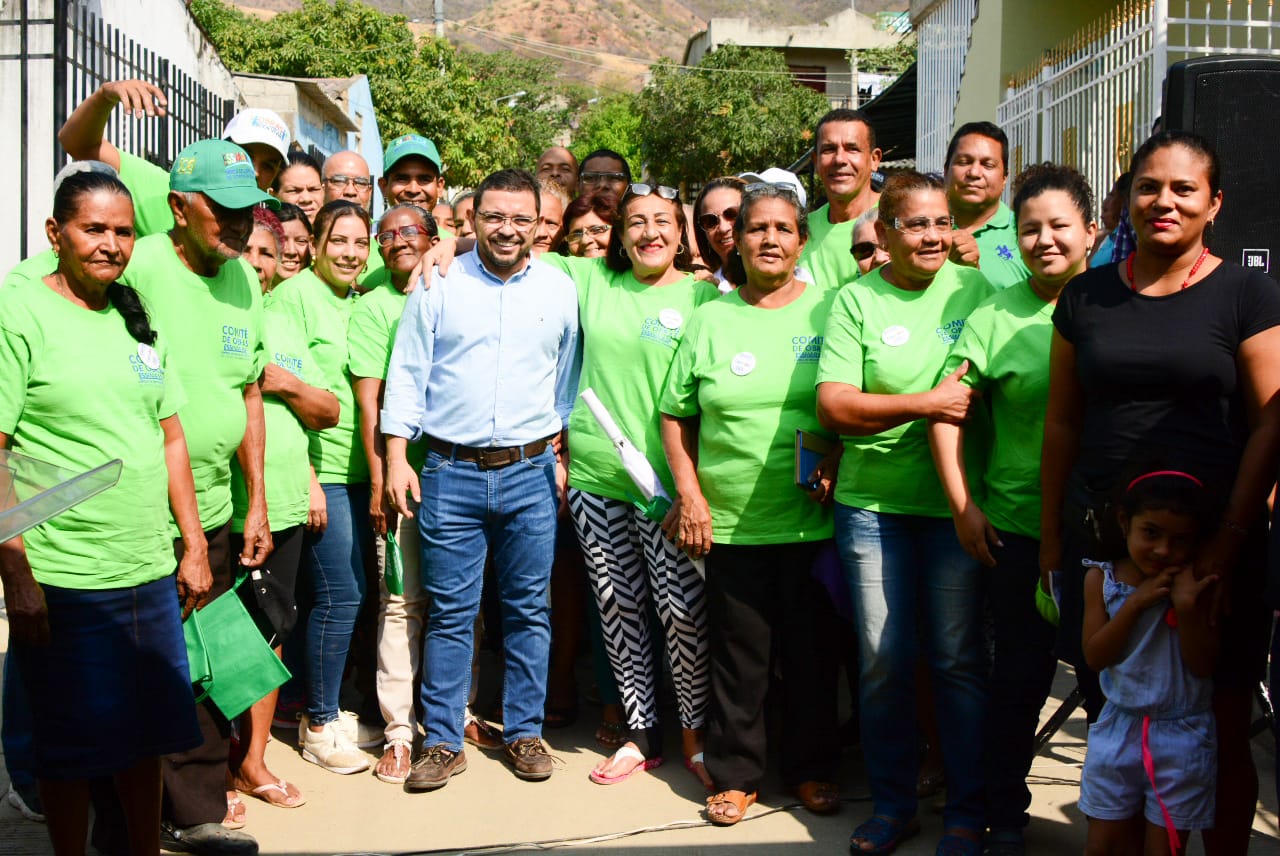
pixel 853 55
pixel 439 10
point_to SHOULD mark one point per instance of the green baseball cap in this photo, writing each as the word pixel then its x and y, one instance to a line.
pixel 220 170
pixel 411 144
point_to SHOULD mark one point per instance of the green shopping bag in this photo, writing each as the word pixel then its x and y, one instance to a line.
pixel 230 662
pixel 394 563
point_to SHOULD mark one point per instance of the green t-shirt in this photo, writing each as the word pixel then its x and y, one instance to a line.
pixel 40 265
pixel 630 332
pixel 886 340
pixel 375 269
pixel 286 468
pixel 1006 341
pixel 370 336
pixel 750 373
pixel 826 255
pixel 336 453
pixel 214 328
pixel 998 256
pixel 149 186
pixel 77 391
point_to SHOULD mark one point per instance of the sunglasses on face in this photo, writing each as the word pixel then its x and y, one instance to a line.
pixel 602 177
pixel 864 250
pixel 709 221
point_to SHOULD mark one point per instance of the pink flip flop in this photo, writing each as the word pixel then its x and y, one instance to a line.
pixel 626 752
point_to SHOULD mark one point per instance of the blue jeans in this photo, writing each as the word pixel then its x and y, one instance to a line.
pixel 510 514
pixel 913 585
pixel 334 562
pixel 16 727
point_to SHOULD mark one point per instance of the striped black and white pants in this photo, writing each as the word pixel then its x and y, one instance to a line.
pixel 631 565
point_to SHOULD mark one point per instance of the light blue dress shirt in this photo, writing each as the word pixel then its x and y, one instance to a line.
pixel 482 362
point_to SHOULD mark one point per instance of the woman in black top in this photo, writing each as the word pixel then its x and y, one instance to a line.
pixel 1172 352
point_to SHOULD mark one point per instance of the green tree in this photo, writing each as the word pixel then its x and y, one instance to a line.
pixel 423 85
pixel 612 122
pixel 738 110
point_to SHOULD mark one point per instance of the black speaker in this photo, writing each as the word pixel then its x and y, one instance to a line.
pixel 1233 101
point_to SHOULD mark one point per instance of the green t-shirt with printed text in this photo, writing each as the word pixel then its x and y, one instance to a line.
pixel 286 467
pixel 1006 341
pixel 630 332
pixel 887 340
pixel 749 374
pixel 77 391
pixel 321 315
pixel 214 328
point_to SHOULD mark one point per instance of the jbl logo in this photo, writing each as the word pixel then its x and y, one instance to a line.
pixel 1259 260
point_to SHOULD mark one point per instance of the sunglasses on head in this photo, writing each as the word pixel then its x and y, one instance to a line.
pixel 654 189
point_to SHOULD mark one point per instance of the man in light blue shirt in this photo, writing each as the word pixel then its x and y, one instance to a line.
pixel 483 373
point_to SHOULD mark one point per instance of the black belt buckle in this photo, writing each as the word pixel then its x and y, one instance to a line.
pixel 496 459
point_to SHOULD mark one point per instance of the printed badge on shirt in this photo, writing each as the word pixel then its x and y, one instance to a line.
pixel 146 365
pixel 664 329
pixel 235 341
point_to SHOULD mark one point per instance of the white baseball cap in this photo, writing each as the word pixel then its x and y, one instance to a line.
pixel 258 125
pixel 777 175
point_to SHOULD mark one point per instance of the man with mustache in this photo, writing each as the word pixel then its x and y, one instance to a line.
pixel 985 234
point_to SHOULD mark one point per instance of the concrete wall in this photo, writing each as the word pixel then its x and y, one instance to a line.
pixel 982 86
pixel 163 26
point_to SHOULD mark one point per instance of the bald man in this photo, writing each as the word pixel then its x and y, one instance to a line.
pixel 346 176
pixel 559 165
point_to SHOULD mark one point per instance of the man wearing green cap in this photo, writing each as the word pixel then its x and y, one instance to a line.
pixel 413 176
pixel 204 300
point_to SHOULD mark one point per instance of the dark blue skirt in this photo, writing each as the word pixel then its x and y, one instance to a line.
pixel 112 687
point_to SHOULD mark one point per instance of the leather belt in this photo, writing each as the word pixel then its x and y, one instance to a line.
pixel 490 457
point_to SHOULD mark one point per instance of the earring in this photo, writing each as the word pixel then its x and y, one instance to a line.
pixel 680 248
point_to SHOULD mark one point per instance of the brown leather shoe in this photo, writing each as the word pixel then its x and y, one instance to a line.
pixel 434 767
pixel 481 734
pixel 530 759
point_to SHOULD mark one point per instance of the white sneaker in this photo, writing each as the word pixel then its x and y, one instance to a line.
pixel 330 748
pixel 363 735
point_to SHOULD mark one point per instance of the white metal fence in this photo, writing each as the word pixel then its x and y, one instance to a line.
pixel 943 43
pixel 1094 97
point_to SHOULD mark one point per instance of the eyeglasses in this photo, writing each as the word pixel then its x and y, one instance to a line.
pixel 602 177
pixel 654 189
pixel 709 221
pixel 590 231
pixel 344 180
pixel 493 220
pixel 918 226
pixel 864 250
pixel 407 232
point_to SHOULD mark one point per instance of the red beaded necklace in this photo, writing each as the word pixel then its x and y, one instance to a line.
pixel 1133 285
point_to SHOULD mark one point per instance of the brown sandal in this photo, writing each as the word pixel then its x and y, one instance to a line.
pixel 819 797
pixel 718 807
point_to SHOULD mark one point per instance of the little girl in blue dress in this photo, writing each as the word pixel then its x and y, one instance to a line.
pixel 1152 758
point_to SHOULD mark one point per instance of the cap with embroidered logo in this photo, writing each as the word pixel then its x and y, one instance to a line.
pixel 220 170
pixel 258 125
pixel 411 144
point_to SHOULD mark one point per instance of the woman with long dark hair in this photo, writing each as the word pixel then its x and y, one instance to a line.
pixel 1177 350
pixel 95 616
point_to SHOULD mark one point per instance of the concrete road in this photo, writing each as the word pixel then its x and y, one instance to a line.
pixel 488 810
